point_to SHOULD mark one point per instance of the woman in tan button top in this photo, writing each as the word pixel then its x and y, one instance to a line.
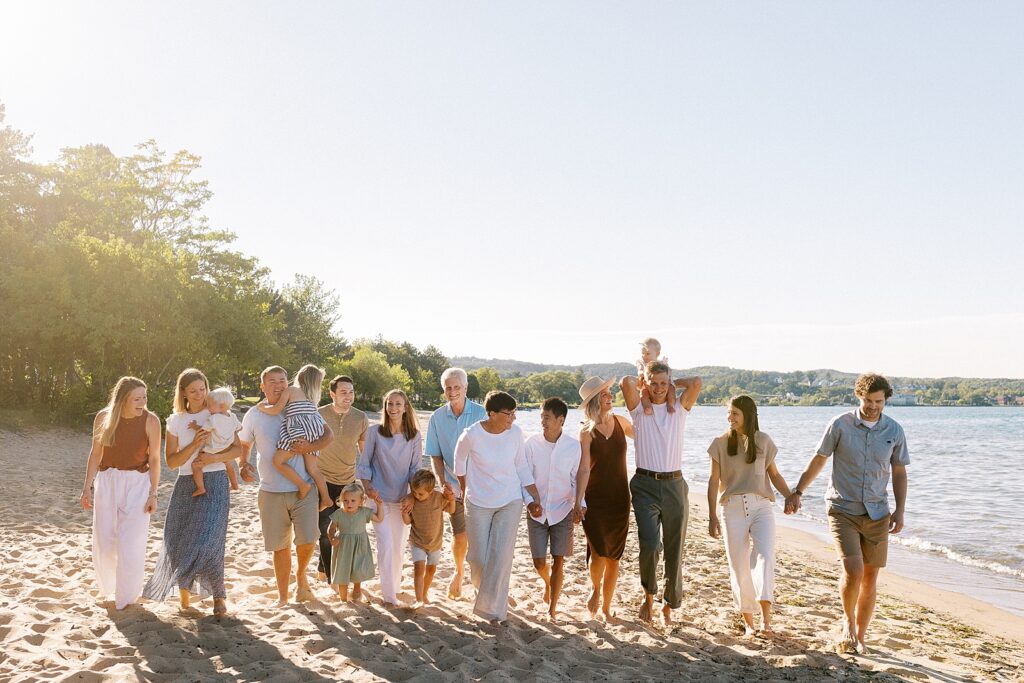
pixel 742 473
pixel 120 488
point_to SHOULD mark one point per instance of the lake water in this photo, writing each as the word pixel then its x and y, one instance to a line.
pixel 964 503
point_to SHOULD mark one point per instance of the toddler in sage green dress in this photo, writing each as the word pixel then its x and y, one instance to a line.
pixel 352 559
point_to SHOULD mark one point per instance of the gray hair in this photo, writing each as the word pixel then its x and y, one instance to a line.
pixel 455 372
pixel 222 395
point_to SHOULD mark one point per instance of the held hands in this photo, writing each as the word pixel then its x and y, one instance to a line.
pixel 86 499
pixel 247 473
pixel 714 528
pixel 793 503
pixel 150 506
pixel 535 509
pixel 407 502
pixel 448 494
pixel 374 495
pixel 335 541
pixel 896 522
pixel 578 514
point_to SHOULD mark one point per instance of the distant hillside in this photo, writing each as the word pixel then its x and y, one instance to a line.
pixel 823 386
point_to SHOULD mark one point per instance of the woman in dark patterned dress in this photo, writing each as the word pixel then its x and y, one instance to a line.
pixel 192 556
pixel 604 483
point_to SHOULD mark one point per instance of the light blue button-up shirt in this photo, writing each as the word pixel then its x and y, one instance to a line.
pixel 862 464
pixel 443 433
pixel 389 463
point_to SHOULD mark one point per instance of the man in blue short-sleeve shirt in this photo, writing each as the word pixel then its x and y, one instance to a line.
pixel 866 449
pixel 446 425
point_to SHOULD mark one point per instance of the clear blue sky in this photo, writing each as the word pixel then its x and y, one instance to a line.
pixel 776 185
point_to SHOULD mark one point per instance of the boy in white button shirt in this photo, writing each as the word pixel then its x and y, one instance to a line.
pixel 554 459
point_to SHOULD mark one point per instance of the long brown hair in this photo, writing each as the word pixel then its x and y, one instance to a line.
pixel 745 405
pixel 187 376
pixel 409 426
pixel 112 416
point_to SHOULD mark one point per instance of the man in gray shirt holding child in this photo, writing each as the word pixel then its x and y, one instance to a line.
pixel 868 447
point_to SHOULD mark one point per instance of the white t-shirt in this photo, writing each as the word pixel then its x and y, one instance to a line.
pixel 494 465
pixel 222 432
pixel 659 437
pixel 178 425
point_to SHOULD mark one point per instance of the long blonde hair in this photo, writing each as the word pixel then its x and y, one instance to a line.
pixel 409 426
pixel 187 376
pixel 310 380
pixel 592 412
pixel 118 396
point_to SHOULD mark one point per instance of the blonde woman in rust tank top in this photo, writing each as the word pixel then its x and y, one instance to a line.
pixel 120 488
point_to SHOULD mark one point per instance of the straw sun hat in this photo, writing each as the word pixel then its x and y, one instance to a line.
pixel 592 387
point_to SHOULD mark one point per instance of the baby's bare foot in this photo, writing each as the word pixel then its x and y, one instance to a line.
pixel 304 490
pixel 199 492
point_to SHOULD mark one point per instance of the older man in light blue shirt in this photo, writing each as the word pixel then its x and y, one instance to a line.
pixel 446 426
pixel 866 448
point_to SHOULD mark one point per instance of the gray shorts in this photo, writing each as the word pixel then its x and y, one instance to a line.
pixel 421 555
pixel 458 518
pixel 559 535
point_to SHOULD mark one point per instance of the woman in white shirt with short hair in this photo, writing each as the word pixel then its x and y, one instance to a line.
pixel 490 462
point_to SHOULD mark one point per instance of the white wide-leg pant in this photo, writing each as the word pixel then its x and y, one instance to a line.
pixel 119 532
pixel 391 534
pixel 749 530
pixel 492 544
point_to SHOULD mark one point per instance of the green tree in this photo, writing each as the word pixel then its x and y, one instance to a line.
pixel 374 376
pixel 489 380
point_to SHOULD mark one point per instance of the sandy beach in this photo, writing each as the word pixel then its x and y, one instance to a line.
pixel 53 627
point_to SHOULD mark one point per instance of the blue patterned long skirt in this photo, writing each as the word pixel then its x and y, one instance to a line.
pixel 192 556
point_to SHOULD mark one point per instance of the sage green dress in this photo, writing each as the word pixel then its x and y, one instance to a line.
pixel 352 559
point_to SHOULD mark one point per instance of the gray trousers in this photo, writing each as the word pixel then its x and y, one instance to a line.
pixel 661 511
pixel 492 544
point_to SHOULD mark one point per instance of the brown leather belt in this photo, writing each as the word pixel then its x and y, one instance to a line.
pixel 660 476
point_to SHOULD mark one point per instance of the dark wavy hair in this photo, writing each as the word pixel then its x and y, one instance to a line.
pixel 745 405
pixel 870 383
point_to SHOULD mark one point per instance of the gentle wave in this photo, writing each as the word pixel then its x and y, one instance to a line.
pixel 935 548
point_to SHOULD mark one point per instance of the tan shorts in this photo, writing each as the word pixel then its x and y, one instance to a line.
pixel 279 512
pixel 860 536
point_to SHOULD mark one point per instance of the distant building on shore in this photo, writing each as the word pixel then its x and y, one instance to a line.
pixel 902 400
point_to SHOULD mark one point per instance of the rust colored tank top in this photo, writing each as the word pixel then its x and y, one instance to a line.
pixel 131 446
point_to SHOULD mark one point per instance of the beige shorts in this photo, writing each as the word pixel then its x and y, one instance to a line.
pixel 279 512
pixel 860 536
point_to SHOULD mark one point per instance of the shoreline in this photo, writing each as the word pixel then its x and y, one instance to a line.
pixel 970 610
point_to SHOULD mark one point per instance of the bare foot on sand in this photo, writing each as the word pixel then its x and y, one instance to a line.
pixel 547 593
pixel 645 612
pixel 220 607
pixel 666 613
pixel 185 598
pixel 592 603
pixel 455 587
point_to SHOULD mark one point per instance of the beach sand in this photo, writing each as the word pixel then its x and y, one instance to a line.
pixel 53 628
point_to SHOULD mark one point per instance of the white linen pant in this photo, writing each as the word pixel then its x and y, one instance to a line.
pixel 750 518
pixel 492 544
pixel 391 534
pixel 119 533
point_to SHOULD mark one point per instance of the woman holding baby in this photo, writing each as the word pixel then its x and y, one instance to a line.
pixel 192 556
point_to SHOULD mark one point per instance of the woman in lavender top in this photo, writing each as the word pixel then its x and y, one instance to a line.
pixel 391 455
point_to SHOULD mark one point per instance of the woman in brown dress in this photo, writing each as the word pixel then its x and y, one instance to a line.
pixel 603 482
